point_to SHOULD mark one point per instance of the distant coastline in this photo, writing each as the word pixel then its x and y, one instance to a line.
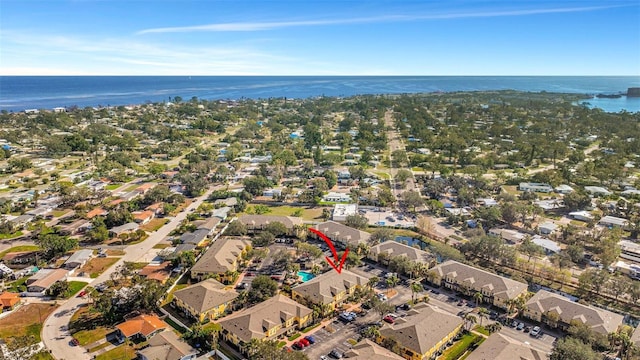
pixel 18 93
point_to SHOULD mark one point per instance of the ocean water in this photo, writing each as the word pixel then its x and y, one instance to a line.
pixel 18 93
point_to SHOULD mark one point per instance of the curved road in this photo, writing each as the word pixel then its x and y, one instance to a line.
pixel 55 333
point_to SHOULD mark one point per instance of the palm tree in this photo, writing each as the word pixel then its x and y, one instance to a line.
pixel 478 297
pixel 494 327
pixel 482 314
pixel 469 321
pixel 372 282
pixel 416 287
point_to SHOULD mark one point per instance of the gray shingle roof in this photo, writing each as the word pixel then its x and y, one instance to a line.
pixel 501 347
pixel 322 289
pixel 339 232
pixel 205 295
pixel 220 256
pixel 260 221
pixel 394 248
pixel 368 350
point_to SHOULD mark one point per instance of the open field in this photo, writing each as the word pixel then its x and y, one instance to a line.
pixel 20 248
pixel 97 266
pixel 154 224
pixel 308 213
pixel 25 321
pixel 83 327
pixel 124 352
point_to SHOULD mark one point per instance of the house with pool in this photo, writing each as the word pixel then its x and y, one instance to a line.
pixel 329 290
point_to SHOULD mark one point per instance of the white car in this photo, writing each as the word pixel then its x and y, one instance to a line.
pixel 535 331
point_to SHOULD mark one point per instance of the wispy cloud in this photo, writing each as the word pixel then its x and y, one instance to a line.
pixel 272 25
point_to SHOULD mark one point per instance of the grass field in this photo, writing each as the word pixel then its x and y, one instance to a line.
pixel 123 352
pixel 58 213
pixel 83 327
pixel 460 347
pixel 111 187
pixel 74 288
pixel 154 224
pixel 97 266
pixel 161 246
pixel 20 248
pixel 312 213
pixel 10 236
pixel 26 320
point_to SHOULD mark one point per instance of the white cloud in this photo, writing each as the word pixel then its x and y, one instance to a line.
pixel 261 26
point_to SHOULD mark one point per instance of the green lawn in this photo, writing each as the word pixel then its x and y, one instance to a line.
pixel 122 352
pixel 312 213
pixel 74 288
pixel 174 325
pixel 20 248
pixel 175 288
pixel 112 186
pixel 10 236
pixel 58 213
pixel 481 330
pixel 85 337
pixel 460 347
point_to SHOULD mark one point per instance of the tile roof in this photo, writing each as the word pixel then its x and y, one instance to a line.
pixel 221 255
pixel 159 272
pixel 144 325
pixel 368 350
pixel 478 279
pixel 96 212
pixel 600 320
pixel 501 347
pixel 322 289
pixel 394 248
pixel 9 299
pixel 167 346
pixel 253 322
pixel 142 215
pixel 344 233
pixel 423 328
pixel 205 295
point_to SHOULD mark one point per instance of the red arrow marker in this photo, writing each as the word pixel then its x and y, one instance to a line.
pixel 338 261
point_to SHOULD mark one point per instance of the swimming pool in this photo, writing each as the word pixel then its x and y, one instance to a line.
pixel 306 276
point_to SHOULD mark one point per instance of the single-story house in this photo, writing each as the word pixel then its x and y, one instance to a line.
pixel 196 238
pixel 209 224
pixel 166 345
pixel 96 212
pixel 547 228
pixel 78 259
pixel 78 226
pixel 122 229
pixel 511 236
pixel 158 272
pixel 208 299
pixel 563 189
pixel 549 246
pixel 597 191
pixel 143 217
pixel 141 327
pixel 259 222
pixel 232 201
pixel 581 215
pixel 535 187
pixel 222 213
pixel 44 278
pixel 8 301
pixel 612 221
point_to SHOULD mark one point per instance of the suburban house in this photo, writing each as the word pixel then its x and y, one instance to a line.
pixel 330 289
pixel 341 211
pixel 270 319
pixel 232 201
pixel 196 238
pixel 96 212
pixel 535 187
pixel 496 289
pixel 222 213
pixel 393 248
pixel 77 226
pixel 8 301
pixel 141 327
pixel 78 259
pixel 44 278
pixel 597 191
pixel 558 311
pixel 547 228
pixel 144 188
pixel 512 237
pixel 612 222
pixel 158 272
pixel 157 208
pixel 337 197
pixel 581 215
pixel 221 258
pixel 342 235
pixel 210 225
pixel 123 229
pixel 368 350
pixel 167 345
pixel 501 347
pixel 207 299
pixel 424 332
pixel 259 222
pixel 563 189
pixel 143 217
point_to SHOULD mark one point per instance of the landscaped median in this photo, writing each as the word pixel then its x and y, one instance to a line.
pixel 460 347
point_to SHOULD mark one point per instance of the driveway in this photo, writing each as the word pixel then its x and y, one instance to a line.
pixel 55 333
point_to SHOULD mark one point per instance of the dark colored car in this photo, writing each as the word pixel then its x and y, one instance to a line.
pixel 520 326
pixel 310 339
pixel 335 354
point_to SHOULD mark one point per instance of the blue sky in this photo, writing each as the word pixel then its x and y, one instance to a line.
pixel 347 37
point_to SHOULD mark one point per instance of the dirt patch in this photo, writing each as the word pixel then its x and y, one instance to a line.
pixel 26 320
pixel 115 252
pixel 97 266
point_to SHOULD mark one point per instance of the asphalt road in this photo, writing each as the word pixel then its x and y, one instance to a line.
pixel 55 333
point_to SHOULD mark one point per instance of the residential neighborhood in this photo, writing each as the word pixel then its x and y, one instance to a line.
pixel 443 226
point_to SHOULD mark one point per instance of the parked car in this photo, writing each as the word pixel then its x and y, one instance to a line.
pixel 335 354
pixel 74 342
pixel 305 342
pixel 347 316
pixel 242 286
pixel 514 323
pixel 461 303
pixel 82 293
pixel 310 339
pixel 527 329
pixel 520 326
pixel 296 346
pixel 493 315
pixel 404 307
pixel 535 331
pixel 382 297
pixel 389 319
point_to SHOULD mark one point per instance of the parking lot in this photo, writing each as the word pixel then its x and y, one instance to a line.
pixel 388 218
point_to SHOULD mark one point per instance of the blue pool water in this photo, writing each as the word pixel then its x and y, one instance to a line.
pixel 306 276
